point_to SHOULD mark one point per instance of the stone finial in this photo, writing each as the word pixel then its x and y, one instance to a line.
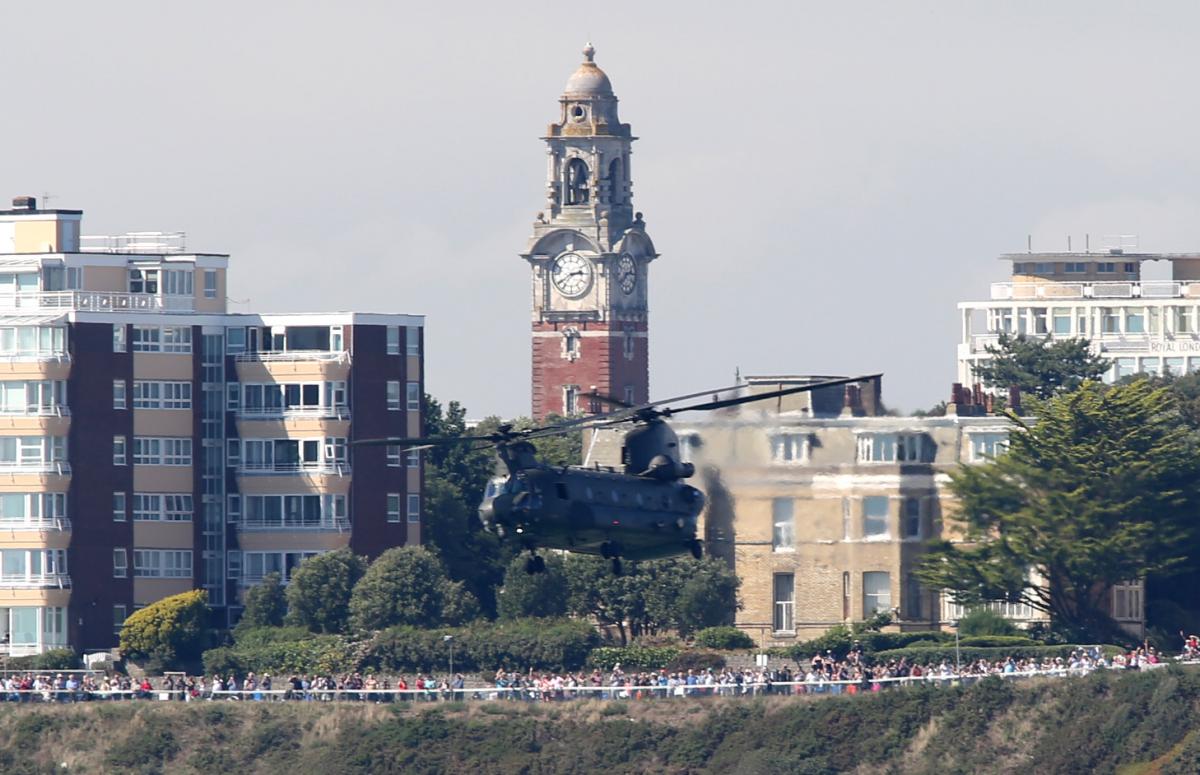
pixel 589 51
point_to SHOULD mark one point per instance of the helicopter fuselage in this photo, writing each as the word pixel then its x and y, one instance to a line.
pixel 594 511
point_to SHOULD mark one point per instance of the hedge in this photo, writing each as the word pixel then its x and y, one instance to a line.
pixel 54 659
pixel 637 657
pixel 520 644
pixel 326 654
pixel 839 640
pixel 723 639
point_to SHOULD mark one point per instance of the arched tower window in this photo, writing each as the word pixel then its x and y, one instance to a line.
pixel 578 189
pixel 616 182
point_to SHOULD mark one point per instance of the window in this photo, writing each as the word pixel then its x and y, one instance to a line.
pixel 895 448
pixel 393 455
pixel 120 564
pixel 1062 322
pixel 789 447
pixel 143 280
pixel 1110 322
pixel 162 563
pixel 1130 268
pixel 785 602
pixel 152 450
pixel 571 344
pixel 393 340
pixel 1173 367
pixel 875 516
pixel 210 283
pixel 985 446
pixel 1018 268
pixel 393 395
pixel 233 393
pixel 147 339
pixel 1075 267
pixel 1106 267
pixel 1126 367
pixel 412 340
pixel 235 340
pixel 118 507
pixel 877 593
pixel 337 341
pixel 1152 366
pixel 162 395
pixel 178 282
pixel 913 597
pixel 33 341
pixel 233 452
pixel 119 394
pixel 1043 267
pixel 1183 320
pixel 120 614
pixel 1135 321
pixel 912 517
pixel 1127 601
pixel 393 507
pixel 164 339
pixel 162 507
pixel 629 395
pixel 570 399
pixel 783 515
pixel 414 508
pixel 413 396
pixel 414 458
pixel 118 337
pixel 118 450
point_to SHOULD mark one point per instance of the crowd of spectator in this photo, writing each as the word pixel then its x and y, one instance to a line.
pixel 821 674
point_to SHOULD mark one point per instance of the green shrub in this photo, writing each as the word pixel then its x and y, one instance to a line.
pixel 934 655
pixel 635 656
pixel 167 631
pixel 723 638
pixel 250 637
pixel 54 659
pixel 998 640
pixel 840 639
pixel 541 644
pixel 983 621
pixel 318 654
pixel 836 639
pixel 885 641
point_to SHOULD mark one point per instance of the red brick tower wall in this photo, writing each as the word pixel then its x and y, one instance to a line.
pixel 601 364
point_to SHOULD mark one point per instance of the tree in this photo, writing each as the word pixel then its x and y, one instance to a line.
pixel 1101 490
pixel 537 594
pixel 169 630
pixel 708 598
pixel 266 603
pixel 405 585
pixel 1039 367
pixel 319 593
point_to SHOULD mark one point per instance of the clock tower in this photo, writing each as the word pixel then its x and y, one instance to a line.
pixel 590 258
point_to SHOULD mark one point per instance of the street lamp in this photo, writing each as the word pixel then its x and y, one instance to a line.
pixel 450 640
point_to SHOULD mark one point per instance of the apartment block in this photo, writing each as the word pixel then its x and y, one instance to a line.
pixel 152 442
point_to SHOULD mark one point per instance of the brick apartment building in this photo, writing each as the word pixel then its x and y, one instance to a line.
pixel 152 442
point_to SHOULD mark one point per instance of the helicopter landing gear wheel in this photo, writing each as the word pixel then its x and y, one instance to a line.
pixel 616 566
pixel 697 548
pixel 610 550
pixel 535 564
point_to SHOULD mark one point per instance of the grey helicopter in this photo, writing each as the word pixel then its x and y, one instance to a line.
pixel 643 510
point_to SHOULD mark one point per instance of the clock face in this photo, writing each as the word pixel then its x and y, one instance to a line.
pixel 572 274
pixel 627 273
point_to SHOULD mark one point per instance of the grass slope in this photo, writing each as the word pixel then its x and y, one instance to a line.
pixel 1118 723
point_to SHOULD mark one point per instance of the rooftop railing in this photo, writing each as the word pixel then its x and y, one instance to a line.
pixel 1051 291
pixel 146 242
pixel 94 301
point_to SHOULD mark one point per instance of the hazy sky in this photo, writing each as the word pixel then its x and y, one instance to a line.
pixel 825 181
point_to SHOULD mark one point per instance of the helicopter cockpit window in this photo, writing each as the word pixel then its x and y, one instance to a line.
pixel 561 490
pixel 616 496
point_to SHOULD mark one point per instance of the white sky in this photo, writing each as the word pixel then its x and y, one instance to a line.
pixel 824 180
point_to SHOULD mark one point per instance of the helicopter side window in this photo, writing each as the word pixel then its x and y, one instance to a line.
pixel 616 496
pixel 561 489
pixel 587 493
pixel 640 500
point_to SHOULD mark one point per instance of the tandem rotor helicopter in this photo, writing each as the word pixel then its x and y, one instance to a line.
pixel 644 511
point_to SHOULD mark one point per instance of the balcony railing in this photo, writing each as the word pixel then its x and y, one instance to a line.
pixel 340 524
pixel 138 242
pixel 59 467
pixel 53 523
pixel 34 410
pixel 285 469
pixel 1051 291
pixel 278 356
pixel 94 301
pixel 293 412
pixel 35 581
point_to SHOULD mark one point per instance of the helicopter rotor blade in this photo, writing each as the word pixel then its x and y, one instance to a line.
pixel 605 399
pixel 722 404
pixel 425 443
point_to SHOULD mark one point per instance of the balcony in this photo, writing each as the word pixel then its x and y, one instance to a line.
pixel 329 524
pixel 93 301
pixel 330 468
pixel 284 356
pixel 58 467
pixel 36 523
pixel 294 413
pixel 35 410
pixel 35 581
pixel 1053 291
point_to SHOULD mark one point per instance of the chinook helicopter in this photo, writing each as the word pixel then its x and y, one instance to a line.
pixel 645 510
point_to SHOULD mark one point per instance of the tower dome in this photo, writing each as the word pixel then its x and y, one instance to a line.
pixel 589 80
